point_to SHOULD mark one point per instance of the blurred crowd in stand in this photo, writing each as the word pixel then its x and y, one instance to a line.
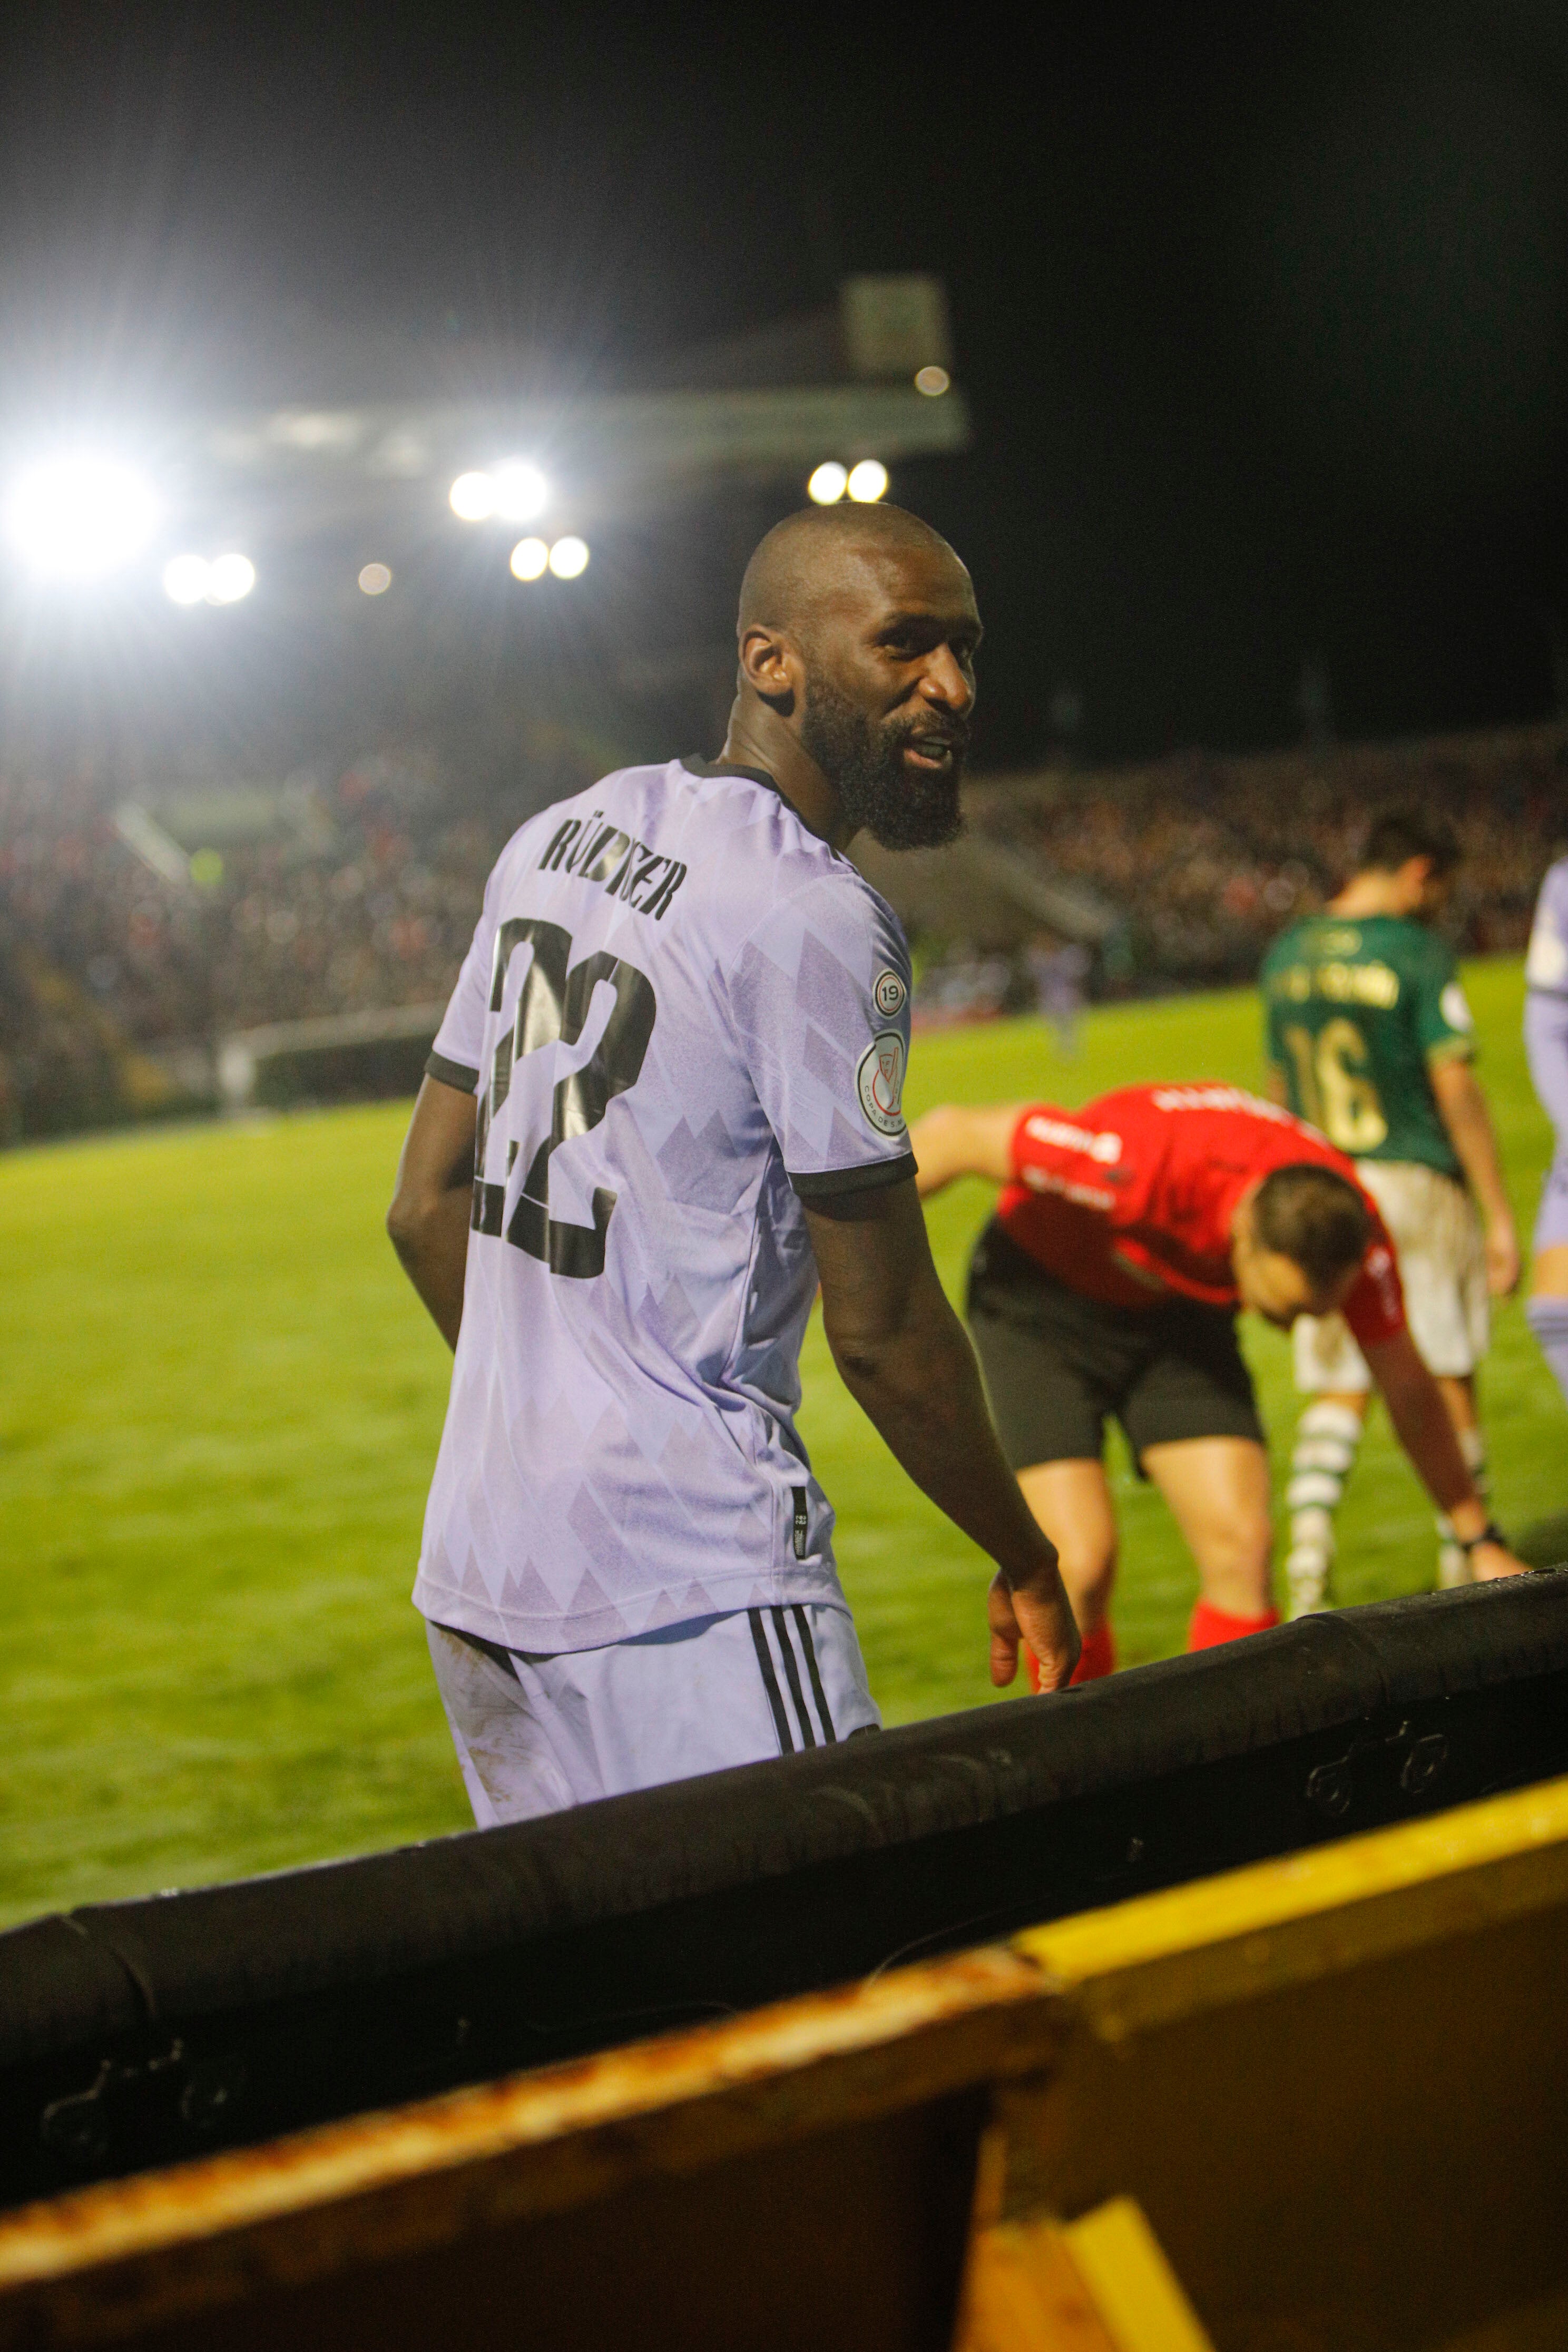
pixel 363 897
pixel 106 961
pixel 1205 860
pixel 1198 862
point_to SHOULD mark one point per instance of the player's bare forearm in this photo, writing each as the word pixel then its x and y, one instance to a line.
pixel 1423 1426
pixel 921 1387
pixel 428 1219
pixel 953 1141
pixel 1462 1108
pixel 905 1358
pixel 435 1261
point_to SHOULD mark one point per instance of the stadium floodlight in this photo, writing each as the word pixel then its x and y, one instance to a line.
pixel 868 481
pixel 76 518
pixel 530 559
pixel 568 557
pixel 375 579
pixel 828 484
pixel 520 491
pixel 191 579
pixel 185 579
pixel 472 498
pixel 229 577
pixel 932 381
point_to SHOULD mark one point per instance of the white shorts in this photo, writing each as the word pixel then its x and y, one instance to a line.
pixel 1442 1263
pixel 534 1735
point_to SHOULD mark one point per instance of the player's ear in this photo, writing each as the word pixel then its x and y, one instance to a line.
pixel 772 668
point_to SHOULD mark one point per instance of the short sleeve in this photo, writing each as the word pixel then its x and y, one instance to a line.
pixel 1273 1044
pixel 1445 1025
pixel 819 996
pixel 458 1051
pixel 1276 962
pixel 1375 1306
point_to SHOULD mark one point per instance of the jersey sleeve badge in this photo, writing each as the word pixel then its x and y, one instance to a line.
pixel 880 1082
pixel 889 994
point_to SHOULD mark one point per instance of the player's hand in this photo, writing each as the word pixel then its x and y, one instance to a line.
pixel 1035 1610
pixel 1502 1262
pixel 1489 1561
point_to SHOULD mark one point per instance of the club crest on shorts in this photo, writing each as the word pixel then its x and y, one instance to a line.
pixel 889 994
pixel 880 1082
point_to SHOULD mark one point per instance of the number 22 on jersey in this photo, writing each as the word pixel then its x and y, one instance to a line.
pixel 551 1009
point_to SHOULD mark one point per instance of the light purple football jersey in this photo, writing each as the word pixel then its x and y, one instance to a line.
pixel 683 1014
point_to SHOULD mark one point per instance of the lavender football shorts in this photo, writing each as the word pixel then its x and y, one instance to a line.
pixel 534 1735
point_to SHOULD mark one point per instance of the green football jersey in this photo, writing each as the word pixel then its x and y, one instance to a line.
pixel 1357 1010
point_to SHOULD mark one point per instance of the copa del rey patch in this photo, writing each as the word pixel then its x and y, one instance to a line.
pixel 880 1082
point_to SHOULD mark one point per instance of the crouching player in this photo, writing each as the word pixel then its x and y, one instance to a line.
pixel 1127 1235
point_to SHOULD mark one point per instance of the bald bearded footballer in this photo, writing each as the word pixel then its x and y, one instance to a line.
pixel 664 1103
pixel 1127 1235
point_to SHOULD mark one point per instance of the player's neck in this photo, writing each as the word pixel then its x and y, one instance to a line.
pixel 758 738
pixel 1369 894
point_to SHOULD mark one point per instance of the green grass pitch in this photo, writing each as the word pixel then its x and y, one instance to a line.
pixel 219 1410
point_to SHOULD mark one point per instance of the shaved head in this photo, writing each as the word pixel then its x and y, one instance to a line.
pixel 857 634
pixel 810 559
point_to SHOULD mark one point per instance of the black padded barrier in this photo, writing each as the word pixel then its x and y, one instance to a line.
pixel 135 2033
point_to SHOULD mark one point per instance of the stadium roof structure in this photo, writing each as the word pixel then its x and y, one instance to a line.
pixel 382 428
pixel 313 462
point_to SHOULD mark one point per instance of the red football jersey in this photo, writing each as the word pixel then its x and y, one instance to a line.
pixel 1133 1195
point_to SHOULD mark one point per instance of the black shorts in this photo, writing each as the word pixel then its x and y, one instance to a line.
pixel 1056 1363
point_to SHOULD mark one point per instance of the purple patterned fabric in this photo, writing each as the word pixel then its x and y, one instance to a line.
pixel 681 1011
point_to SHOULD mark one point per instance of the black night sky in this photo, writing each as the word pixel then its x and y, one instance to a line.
pixel 1263 314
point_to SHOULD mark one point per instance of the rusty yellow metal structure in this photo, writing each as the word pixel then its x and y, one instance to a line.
pixel 1314 2105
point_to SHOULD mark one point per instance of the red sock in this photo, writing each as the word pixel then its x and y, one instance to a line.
pixel 1209 1626
pixel 1096 1657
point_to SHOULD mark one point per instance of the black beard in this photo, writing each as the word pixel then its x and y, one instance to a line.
pixel 900 807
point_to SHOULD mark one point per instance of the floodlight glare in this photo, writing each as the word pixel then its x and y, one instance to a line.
pixel 530 559
pixel 80 516
pixel 375 579
pixel 185 579
pixel 868 481
pixel 472 498
pixel 827 484
pixel 229 577
pixel 932 381
pixel 568 557
pixel 520 491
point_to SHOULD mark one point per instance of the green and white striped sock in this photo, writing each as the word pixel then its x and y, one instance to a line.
pixel 1327 1436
